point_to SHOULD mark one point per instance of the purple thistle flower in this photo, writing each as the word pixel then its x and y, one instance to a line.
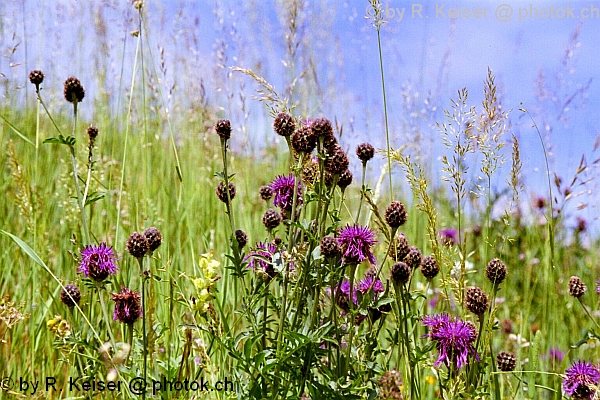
pixel 453 338
pixel 261 258
pixel 356 242
pixel 369 282
pixel 97 262
pixel 449 236
pixel 580 378
pixel 598 286
pixel 283 189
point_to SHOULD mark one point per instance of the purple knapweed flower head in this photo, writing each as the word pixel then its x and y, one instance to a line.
pixel 369 282
pixel 453 338
pixel 449 236
pixel 283 190
pixel 97 262
pixel 260 260
pixel 356 242
pixel 581 380
pixel 341 295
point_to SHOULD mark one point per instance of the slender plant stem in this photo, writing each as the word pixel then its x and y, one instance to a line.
pixel 387 130
pixel 140 261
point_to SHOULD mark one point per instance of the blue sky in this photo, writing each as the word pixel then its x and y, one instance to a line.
pixel 435 55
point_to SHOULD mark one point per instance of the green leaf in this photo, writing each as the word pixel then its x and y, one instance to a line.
pixel 534 354
pixel 94 197
pixel 18 132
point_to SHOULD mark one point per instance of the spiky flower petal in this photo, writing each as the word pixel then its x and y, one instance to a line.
pixel 97 262
pixel 453 338
pixel 356 242
pixel 283 189
pixel 581 380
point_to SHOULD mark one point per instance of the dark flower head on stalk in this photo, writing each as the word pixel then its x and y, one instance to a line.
pixel 429 267
pixel 271 219
pixel 581 380
pixel 365 152
pixel 337 162
pixel 506 361
pixel 342 296
pixel 577 287
pixel 400 248
pixel 495 271
pixel 70 295
pixel 137 245
pixel 453 338
pixel 476 301
pixel 74 92
pixel 356 242
pixel 266 193
pixel 345 179
pixel 222 193
pixel 92 133
pixel 400 272
pixel 414 257
pixel 97 262
pixel 36 77
pixel 241 238
pixel 283 189
pixel 330 248
pixel 284 124
pixel 154 238
pixel 128 306
pixel 395 214
pixel 304 140
pixel 322 127
pixel 223 128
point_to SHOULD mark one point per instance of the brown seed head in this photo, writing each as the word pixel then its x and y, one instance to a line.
pixel 304 140
pixel 137 245
pixel 241 238
pixel 400 272
pixel 506 361
pixel 395 214
pixel 495 271
pixel 284 124
pixel 271 219
pixel 337 162
pixel 154 238
pixel 330 248
pixel 72 290
pixel 429 267
pixel 74 92
pixel 577 287
pixel 345 179
pixel 321 127
pixel 222 193
pixel 400 248
pixel 476 301
pixel 365 152
pixel 266 193
pixel 36 77
pixel 223 128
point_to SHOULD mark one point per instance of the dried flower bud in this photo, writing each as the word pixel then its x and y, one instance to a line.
pixel 266 193
pixel 506 361
pixel 476 301
pixel 284 124
pixel 429 267
pixel 74 92
pixel 395 214
pixel 241 238
pixel 330 248
pixel 321 127
pixel 400 273
pixel 365 152
pixel 399 248
pixel 36 77
pixel 74 298
pixel 154 238
pixel 495 271
pixel 577 287
pixel 271 219
pixel 222 193
pixel 223 128
pixel 137 245
pixel 345 179
pixel 304 140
